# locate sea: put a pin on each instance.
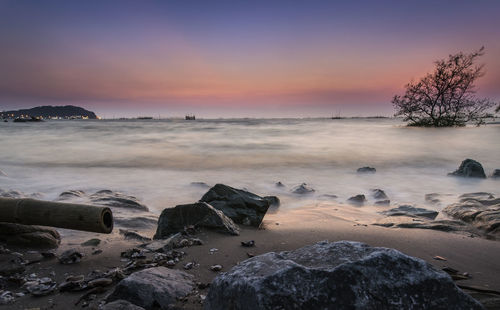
(160, 161)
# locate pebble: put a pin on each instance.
(189, 266)
(71, 256)
(96, 251)
(213, 250)
(439, 258)
(216, 268)
(248, 244)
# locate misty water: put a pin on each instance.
(157, 160)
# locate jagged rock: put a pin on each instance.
(273, 200)
(366, 170)
(411, 211)
(201, 214)
(91, 242)
(483, 214)
(241, 206)
(154, 288)
(339, 275)
(121, 305)
(117, 199)
(10, 264)
(379, 194)
(302, 189)
(496, 173)
(29, 235)
(133, 235)
(469, 168)
(357, 200)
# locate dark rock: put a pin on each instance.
(121, 305)
(477, 196)
(496, 173)
(339, 275)
(406, 210)
(366, 170)
(379, 194)
(483, 214)
(423, 223)
(357, 200)
(11, 194)
(40, 286)
(117, 200)
(302, 189)
(469, 168)
(154, 288)
(29, 235)
(273, 201)
(432, 198)
(279, 184)
(329, 196)
(71, 256)
(241, 206)
(133, 235)
(173, 220)
(383, 202)
(91, 242)
(248, 244)
(10, 264)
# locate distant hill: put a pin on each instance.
(48, 111)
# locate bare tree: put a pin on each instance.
(445, 97)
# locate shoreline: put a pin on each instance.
(283, 230)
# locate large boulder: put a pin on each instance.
(339, 275)
(482, 213)
(469, 168)
(241, 206)
(201, 214)
(153, 288)
(29, 235)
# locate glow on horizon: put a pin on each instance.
(161, 56)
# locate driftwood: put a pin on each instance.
(56, 214)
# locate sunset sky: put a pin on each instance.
(234, 58)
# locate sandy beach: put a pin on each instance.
(282, 230)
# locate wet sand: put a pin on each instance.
(281, 230)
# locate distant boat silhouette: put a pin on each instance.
(337, 116)
(145, 117)
(190, 117)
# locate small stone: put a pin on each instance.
(91, 242)
(357, 200)
(101, 282)
(366, 170)
(216, 268)
(303, 189)
(189, 266)
(279, 184)
(439, 258)
(183, 243)
(96, 252)
(250, 255)
(248, 244)
(70, 256)
(213, 250)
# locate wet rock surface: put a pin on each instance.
(496, 173)
(366, 170)
(29, 235)
(121, 305)
(481, 210)
(357, 200)
(423, 223)
(469, 168)
(154, 288)
(340, 275)
(302, 189)
(241, 206)
(411, 211)
(201, 214)
(117, 199)
(10, 264)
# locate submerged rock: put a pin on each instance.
(117, 199)
(379, 194)
(302, 189)
(366, 170)
(411, 211)
(357, 200)
(91, 242)
(10, 264)
(483, 214)
(338, 275)
(469, 168)
(423, 223)
(273, 201)
(496, 173)
(29, 235)
(154, 288)
(383, 202)
(201, 214)
(241, 206)
(11, 194)
(71, 194)
(200, 184)
(143, 222)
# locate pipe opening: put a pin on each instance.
(107, 219)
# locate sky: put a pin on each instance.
(235, 58)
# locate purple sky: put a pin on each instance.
(234, 58)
